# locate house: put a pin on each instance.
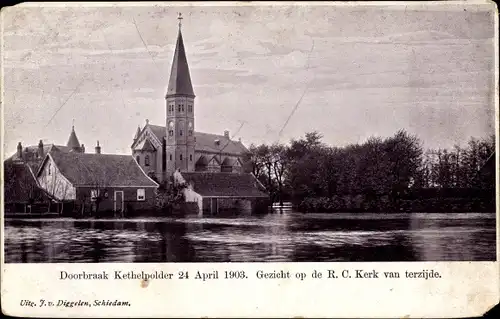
(102, 182)
(176, 145)
(215, 192)
(486, 175)
(21, 190)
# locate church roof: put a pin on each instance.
(73, 140)
(104, 169)
(144, 145)
(206, 142)
(180, 79)
(211, 184)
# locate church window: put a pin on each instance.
(180, 132)
(170, 156)
(179, 108)
(182, 107)
(181, 157)
(171, 129)
(138, 159)
(191, 157)
(146, 160)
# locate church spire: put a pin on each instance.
(73, 142)
(180, 79)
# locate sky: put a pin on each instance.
(349, 72)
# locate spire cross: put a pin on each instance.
(179, 17)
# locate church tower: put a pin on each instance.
(180, 141)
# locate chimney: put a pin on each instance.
(98, 148)
(147, 122)
(226, 134)
(83, 148)
(19, 151)
(40, 149)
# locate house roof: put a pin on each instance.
(103, 169)
(211, 184)
(180, 79)
(206, 142)
(31, 156)
(20, 183)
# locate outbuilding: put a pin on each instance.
(215, 192)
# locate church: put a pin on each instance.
(176, 146)
(209, 167)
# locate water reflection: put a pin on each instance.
(286, 236)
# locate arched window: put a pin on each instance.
(190, 129)
(171, 129)
(180, 132)
(182, 107)
(138, 159)
(191, 157)
(179, 108)
(181, 157)
(146, 160)
(170, 156)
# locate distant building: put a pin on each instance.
(161, 150)
(21, 186)
(67, 173)
(486, 174)
(21, 190)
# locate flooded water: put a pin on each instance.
(274, 237)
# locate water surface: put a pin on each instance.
(286, 236)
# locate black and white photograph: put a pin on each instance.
(249, 133)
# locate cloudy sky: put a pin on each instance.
(350, 72)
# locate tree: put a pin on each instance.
(404, 156)
(279, 160)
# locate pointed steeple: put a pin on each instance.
(180, 78)
(73, 142)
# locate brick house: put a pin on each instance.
(104, 182)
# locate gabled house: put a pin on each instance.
(21, 190)
(214, 192)
(107, 182)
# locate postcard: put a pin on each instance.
(249, 159)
